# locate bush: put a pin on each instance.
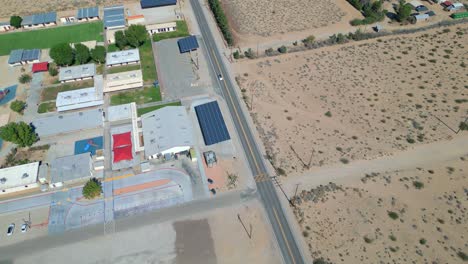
(18, 106)
(269, 52)
(92, 189)
(422, 241)
(282, 49)
(462, 255)
(53, 71)
(309, 41)
(236, 54)
(393, 215)
(25, 78)
(418, 185)
(328, 114)
(221, 20)
(463, 126)
(319, 261)
(249, 54)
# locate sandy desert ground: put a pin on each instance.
(360, 100)
(255, 21)
(22, 7)
(412, 216)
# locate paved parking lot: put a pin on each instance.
(38, 217)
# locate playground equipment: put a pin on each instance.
(4, 93)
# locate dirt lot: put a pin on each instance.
(262, 18)
(360, 100)
(413, 216)
(23, 7)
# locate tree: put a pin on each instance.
(92, 189)
(18, 106)
(236, 54)
(403, 11)
(283, 49)
(81, 53)
(15, 21)
(62, 54)
(98, 54)
(120, 39)
(20, 133)
(136, 35)
(24, 78)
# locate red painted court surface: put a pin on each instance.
(143, 186)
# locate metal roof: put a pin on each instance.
(76, 72)
(124, 56)
(70, 168)
(156, 3)
(114, 16)
(121, 112)
(5, 24)
(211, 122)
(67, 123)
(76, 99)
(188, 44)
(88, 12)
(21, 175)
(15, 56)
(41, 18)
(166, 128)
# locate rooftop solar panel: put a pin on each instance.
(212, 124)
(114, 16)
(156, 3)
(188, 44)
(29, 55)
(15, 56)
(88, 12)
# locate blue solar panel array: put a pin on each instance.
(188, 44)
(156, 3)
(212, 124)
(88, 12)
(114, 17)
(37, 19)
(20, 55)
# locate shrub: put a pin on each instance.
(25, 78)
(18, 106)
(15, 21)
(92, 189)
(463, 126)
(249, 54)
(269, 52)
(392, 237)
(236, 54)
(422, 241)
(319, 261)
(367, 240)
(53, 71)
(462, 255)
(393, 215)
(309, 41)
(282, 49)
(418, 185)
(328, 114)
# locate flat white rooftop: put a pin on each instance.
(20, 175)
(121, 112)
(77, 72)
(161, 25)
(122, 57)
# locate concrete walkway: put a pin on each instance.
(34, 97)
(419, 156)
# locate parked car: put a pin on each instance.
(421, 8)
(24, 228)
(431, 13)
(11, 229)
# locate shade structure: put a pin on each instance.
(187, 44)
(40, 67)
(212, 124)
(122, 140)
(123, 153)
(156, 3)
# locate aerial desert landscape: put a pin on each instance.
(359, 100)
(411, 216)
(257, 20)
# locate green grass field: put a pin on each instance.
(182, 31)
(123, 68)
(46, 107)
(46, 38)
(147, 62)
(50, 93)
(140, 96)
(142, 111)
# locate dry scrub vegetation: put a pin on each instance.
(23, 7)
(415, 216)
(267, 17)
(360, 100)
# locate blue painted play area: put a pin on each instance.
(10, 96)
(88, 145)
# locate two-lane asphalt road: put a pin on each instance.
(266, 189)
